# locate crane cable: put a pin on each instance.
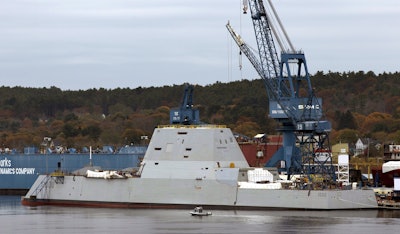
(229, 55)
(281, 29)
(240, 31)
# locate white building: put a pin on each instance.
(392, 152)
(361, 146)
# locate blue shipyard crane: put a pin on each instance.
(185, 114)
(291, 97)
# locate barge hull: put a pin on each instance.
(18, 172)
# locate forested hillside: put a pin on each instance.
(358, 104)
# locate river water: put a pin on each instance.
(15, 218)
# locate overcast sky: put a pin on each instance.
(83, 44)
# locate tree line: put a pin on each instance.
(358, 104)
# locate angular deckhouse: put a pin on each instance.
(187, 152)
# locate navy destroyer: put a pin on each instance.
(186, 166)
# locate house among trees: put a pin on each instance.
(361, 146)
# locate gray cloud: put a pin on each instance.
(117, 43)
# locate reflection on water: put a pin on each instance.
(19, 219)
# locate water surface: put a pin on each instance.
(15, 218)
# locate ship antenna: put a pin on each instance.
(90, 156)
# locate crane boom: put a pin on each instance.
(271, 85)
(267, 52)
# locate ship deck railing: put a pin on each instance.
(191, 126)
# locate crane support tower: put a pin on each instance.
(185, 114)
(292, 101)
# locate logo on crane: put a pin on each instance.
(308, 107)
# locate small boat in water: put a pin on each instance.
(198, 211)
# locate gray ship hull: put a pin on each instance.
(167, 193)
